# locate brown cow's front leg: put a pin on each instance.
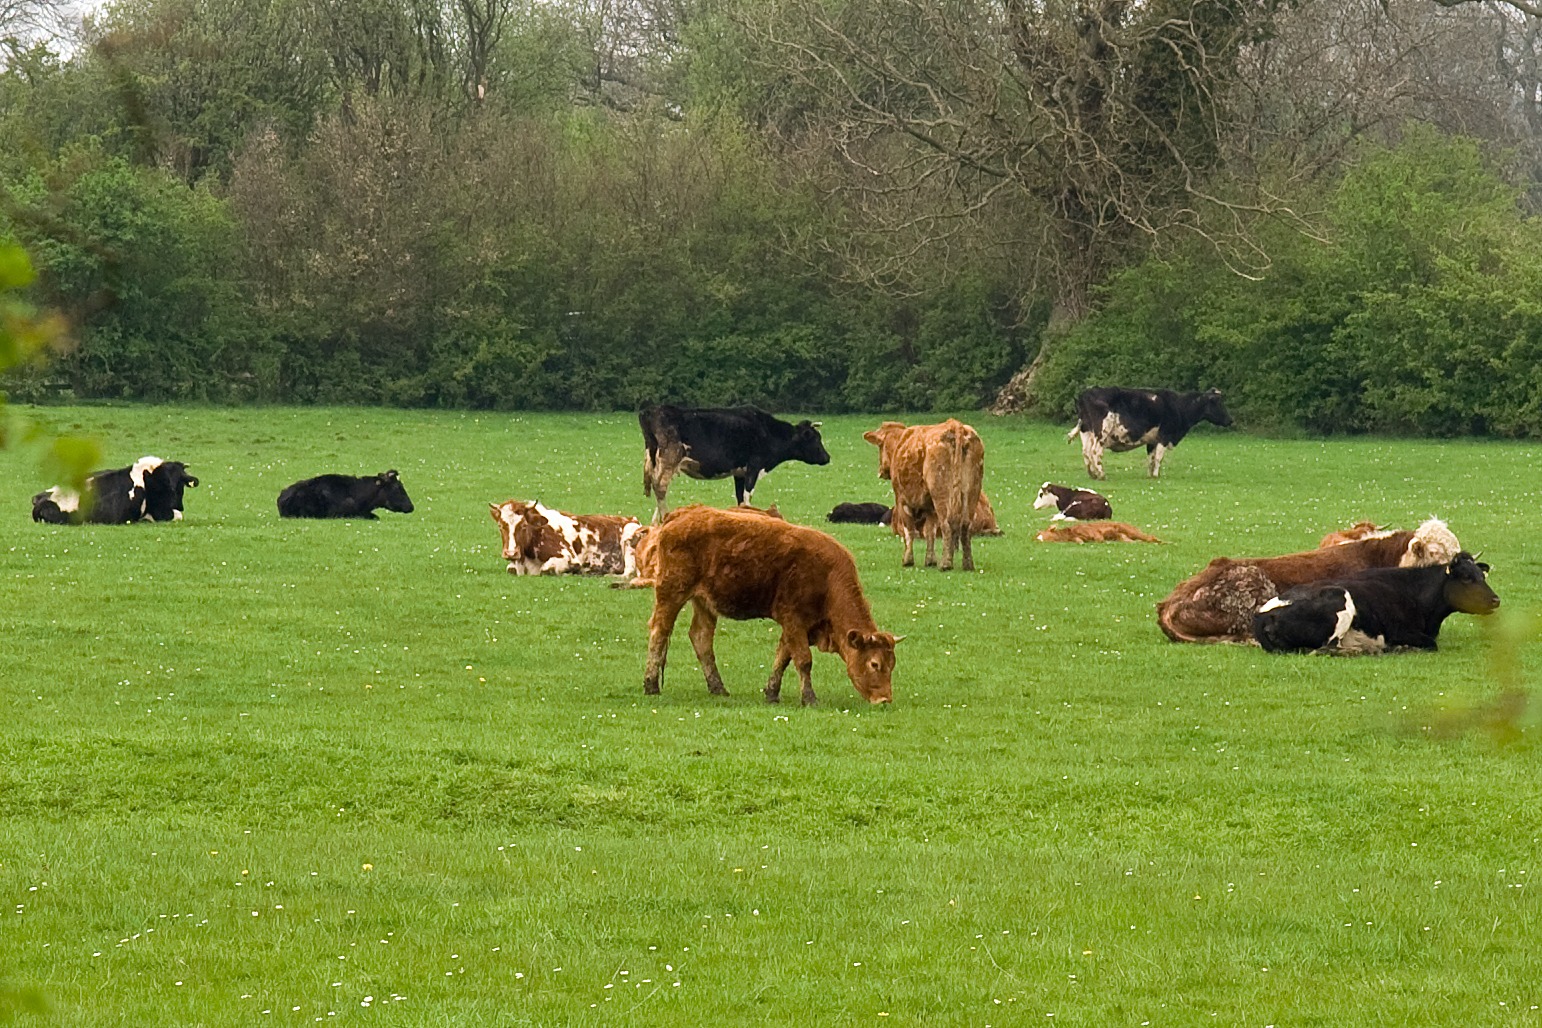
(660, 625)
(802, 659)
(703, 627)
(778, 668)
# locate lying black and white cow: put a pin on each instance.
(344, 496)
(1114, 418)
(1073, 504)
(719, 442)
(150, 489)
(1375, 610)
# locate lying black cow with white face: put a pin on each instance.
(718, 442)
(1375, 610)
(1114, 418)
(1073, 504)
(150, 489)
(344, 496)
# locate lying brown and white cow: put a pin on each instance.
(1217, 605)
(1094, 532)
(733, 564)
(538, 540)
(936, 472)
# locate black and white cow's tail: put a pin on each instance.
(645, 418)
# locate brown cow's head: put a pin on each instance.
(885, 437)
(512, 518)
(870, 663)
(1433, 543)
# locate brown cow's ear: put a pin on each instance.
(495, 509)
(1417, 548)
(854, 639)
(873, 437)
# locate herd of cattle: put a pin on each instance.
(1363, 590)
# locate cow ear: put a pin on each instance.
(1417, 548)
(873, 437)
(854, 638)
(1483, 567)
(389, 474)
(497, 515)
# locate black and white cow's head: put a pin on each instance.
(160, 483)
(807, 445)
(391, 494)
(1211, 409)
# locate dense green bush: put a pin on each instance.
(1418, 315)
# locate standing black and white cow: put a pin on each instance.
(344, 496)
(718, 442)
(150, 489)
(1114, 418)
(1376, 610)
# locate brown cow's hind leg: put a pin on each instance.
(703, 627)
(660, 625)
(778, 668)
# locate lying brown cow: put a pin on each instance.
(1217, 605)
(936, 471)
(1095, 532)
(538, 540)
(728, 563)
(1359, 530)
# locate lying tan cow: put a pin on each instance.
(728, 563)
(1095, 532)
(936, 471)
(1217, 605)
(645, 542)
(1359, 530)
(538, 540)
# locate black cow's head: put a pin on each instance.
(391, 494)
(163, 490)
(807, 446)
(1211, 408)
(1467, 587)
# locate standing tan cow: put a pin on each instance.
(741, 565)
(936, 472)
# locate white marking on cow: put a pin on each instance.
(1117, 435)
(1274, 604)
(628, 549)
(142, 467)
(1343, 621)
(66, 500)
(1045, 497)
(176, 515)
(1156, 459)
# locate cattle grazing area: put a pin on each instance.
(250, 763)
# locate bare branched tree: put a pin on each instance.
(34, 19)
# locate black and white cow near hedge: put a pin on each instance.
(344, 496)
(1119, 419)
(150, 489)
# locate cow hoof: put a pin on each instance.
(810, 700)
(773, 697)
(717, 689)
(650, 688)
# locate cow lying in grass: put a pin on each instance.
(1217, 604)
(1073, 504)
(539, 540)
(1376, 610)
(739, 565)
(150, 489)
(1095, 532)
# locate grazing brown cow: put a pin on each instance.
(936, 471)
(1095, 532)
(1359, 530)
(644, 544)
(728, 563)
(1217, 605)
(538, 540)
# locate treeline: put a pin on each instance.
(859, 206)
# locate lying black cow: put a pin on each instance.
(716, 442)
(150, 489)
(1375, 610)
(861, 514)
(1114, 418)
(344, 496)
(1073, 504)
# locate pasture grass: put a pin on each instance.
(267, 772)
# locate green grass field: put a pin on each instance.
(265, 772)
